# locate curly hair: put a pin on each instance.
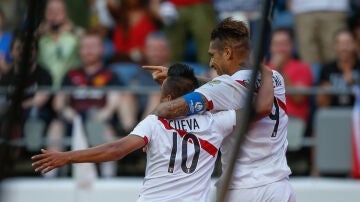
(230, 32)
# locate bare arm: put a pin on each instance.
(175, 108)
(39, 100)
(111, 151)
(265, 99)
(112, 102)
(61, 106)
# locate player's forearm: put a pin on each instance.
(180, 107)
(172, 109)
(41, 99)
(265, 98)
(102, 153)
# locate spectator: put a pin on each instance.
(191, 18)
(134, 22)
(296, 73)
(101, 21)
(355, 27)
(315, 24)
(282, 15)
(100, 14)
(58, 43)
(242, 10)
(95, 107)
(341, 73)
(157, 52)
(35, 104)
(5, 40)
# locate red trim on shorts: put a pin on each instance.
(282, 105)
(204, 144)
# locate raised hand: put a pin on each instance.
(159, 73)
(49, 160)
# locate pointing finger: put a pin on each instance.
(154, 68)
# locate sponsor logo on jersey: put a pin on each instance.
(213, 82)
(199, 106)
(276, 81)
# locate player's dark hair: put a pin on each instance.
(181, 80)
(183, 70)
(229, 32)
(285, 30)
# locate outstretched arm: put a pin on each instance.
(111, 151)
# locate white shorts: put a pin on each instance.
(280, 191)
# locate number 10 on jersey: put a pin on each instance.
(184, 153)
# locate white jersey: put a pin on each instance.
(263, 157)
(181, 155)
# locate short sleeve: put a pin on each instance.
(226, 120)
(144, 129)
(223, 93)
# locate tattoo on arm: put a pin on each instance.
(172, 109)
(175, 108)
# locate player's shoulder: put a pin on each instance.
(221, 78)
(219, 81)
(242, 74)
(151, 117)
(222, 115)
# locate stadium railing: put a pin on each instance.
(296, 137)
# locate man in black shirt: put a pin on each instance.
(343, 73)
(95, 107)
(35, 104)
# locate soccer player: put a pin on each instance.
(181, 153)
(261, 170)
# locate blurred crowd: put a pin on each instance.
(104, 43)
